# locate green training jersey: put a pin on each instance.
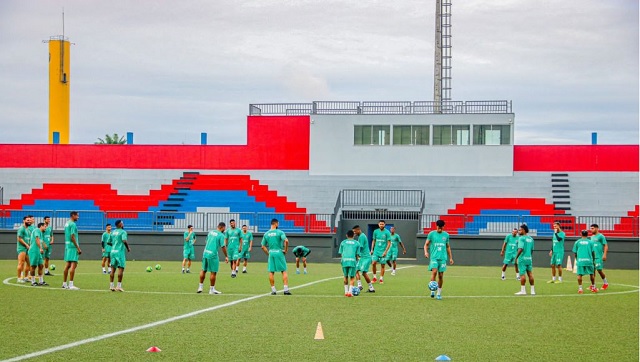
(599, 241)
(365, 251)
(48, 232)
(395, 240)
(525, 242)
(188, 240)
(583, 248)
(215, 240)
(348, 251)
(233, 237)
(118, 237)
(106, 240)
(247, 238)
(300, 250)
(438, 242)
(274, 239)
(70, 228)
(380, 239)
(511, 243)
(25, 235)
(558, 242)
(37, 234)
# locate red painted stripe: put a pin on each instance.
(273, 143)
(590, 158)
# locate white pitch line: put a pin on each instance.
(154, 324)
(474, 296)
(151, 325)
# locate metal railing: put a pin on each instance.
(1, 195)
(382, 107)
(480, 224)
(540, 225)
(382, 198)
(159, 221)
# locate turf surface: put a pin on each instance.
(479, 317)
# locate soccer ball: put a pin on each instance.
(158, 267)
(355, 291)
(433, 285)
(52, 267)
(149, 269)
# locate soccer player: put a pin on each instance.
(35, 254)
(557, 252)
(509, 251)
(188, 251)
(23, 244)
(106, 249)
(48, 241)
(301, 252)
(438, 250)
(275, 245)
(525, 259)
(349, 252)
(72, 251)
(601, 248)
(393, 251)
(247, 244)
(381, 245)
(232, 241)
(585, 256)
(118, 257)
(365, 259)
(210, 262)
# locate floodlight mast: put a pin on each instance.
(442, 57)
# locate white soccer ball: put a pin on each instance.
(433, 285)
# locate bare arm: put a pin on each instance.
(75, 242)
(387, 248)
(21, 241)
(286, 245)
(504, 245)
(426, 249)
(127, 245)
(449, 252)
(606, 249)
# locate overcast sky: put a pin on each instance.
(168, 70)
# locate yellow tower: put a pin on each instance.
(59, 80)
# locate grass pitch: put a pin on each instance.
(479, 317)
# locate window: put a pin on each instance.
(371, 135)
(491, 135)
(410, 135)
(451, 135)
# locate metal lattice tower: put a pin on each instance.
(442, 61)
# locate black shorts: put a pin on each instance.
(301, 254)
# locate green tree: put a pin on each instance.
(111, 140)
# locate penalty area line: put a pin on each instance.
(153, 324)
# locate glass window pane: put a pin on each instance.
(505, 136)
(441, 135)
(401, 135)
(357, 135)
(381, 135)
(420, 135)
(492, 136)
(460, 135)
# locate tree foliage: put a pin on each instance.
(114, 139)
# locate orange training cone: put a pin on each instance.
(154, 349)
(319, 333)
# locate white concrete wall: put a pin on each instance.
(332, 151)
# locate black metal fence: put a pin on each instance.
(381, 107)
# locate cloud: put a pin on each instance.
(170, 70)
